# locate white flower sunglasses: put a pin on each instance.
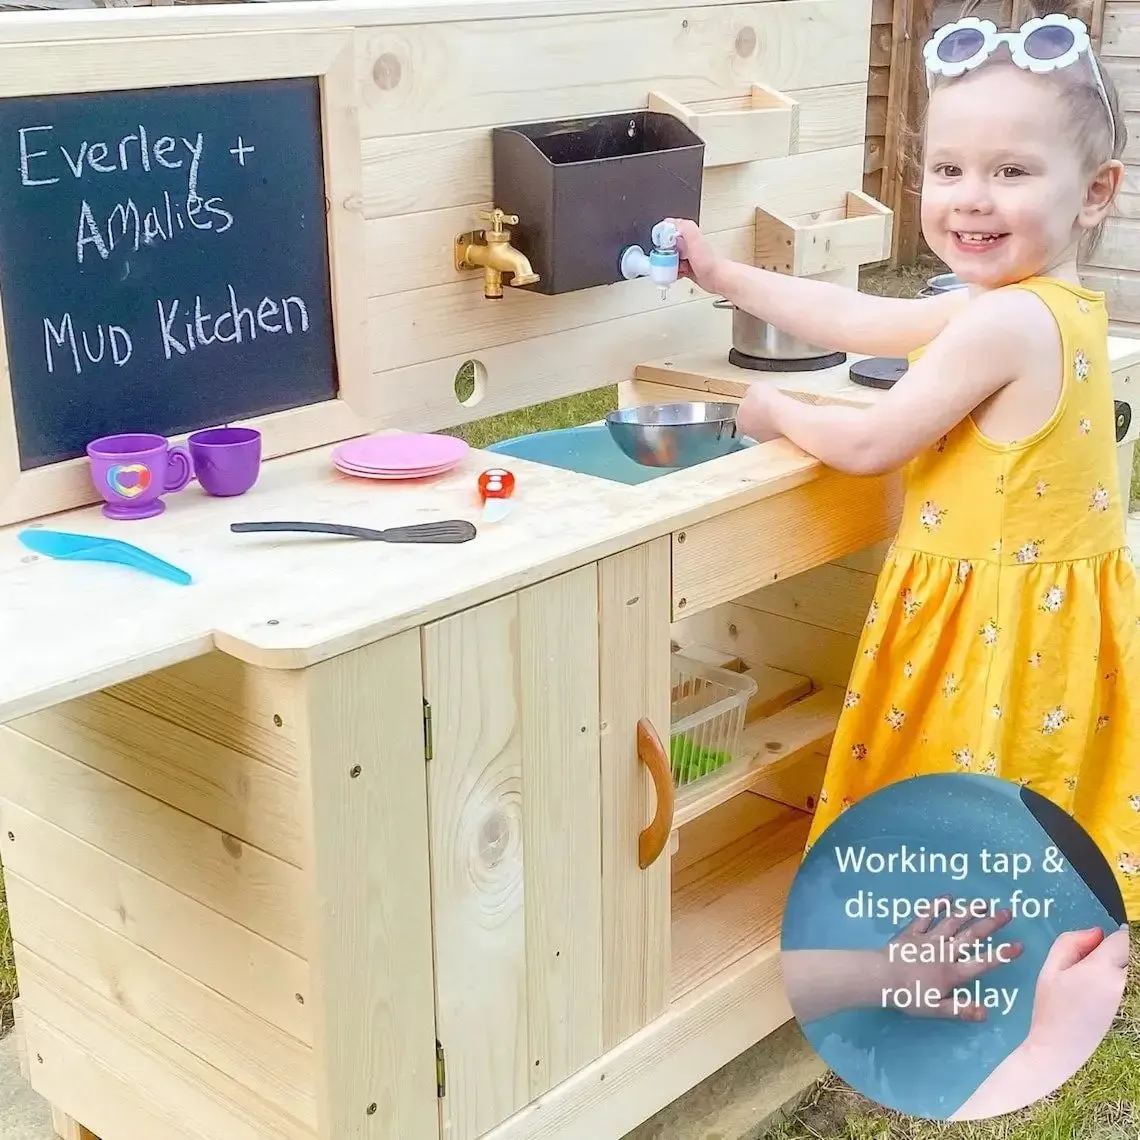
(1041, 45)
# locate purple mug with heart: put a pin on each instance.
(133, 471)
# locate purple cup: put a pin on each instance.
(226, 459)
(132, 472)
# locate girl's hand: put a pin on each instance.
(698, 261)
(754, 415)
(1079, 991)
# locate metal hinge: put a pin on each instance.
(427, 730)
(440, 1072)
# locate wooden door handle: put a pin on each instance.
(651, 752)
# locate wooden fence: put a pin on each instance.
(1115, 266)
(896, 100)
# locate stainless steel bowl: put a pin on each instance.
(675, 435)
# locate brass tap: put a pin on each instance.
(491, 251)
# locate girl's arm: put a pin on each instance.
(822, 982)
(835, 316)
(975, 356)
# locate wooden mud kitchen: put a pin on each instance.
(395, 841)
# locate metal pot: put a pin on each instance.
(753, 337)
(943, 283)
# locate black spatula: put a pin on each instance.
(447, 530)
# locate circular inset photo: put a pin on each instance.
(954, 946)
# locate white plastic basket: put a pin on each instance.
(708, 707)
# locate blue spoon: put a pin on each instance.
(88, 548)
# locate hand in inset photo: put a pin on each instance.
(934, 957)
(1079, 990)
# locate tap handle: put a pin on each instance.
(497, 219)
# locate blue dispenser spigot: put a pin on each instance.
(661, 265)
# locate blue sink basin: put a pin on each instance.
(589, 450)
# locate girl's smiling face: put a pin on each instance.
(1006, 193)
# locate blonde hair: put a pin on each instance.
(1091, 125)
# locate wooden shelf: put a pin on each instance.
(857, 234)
(768, 747)
(762, 125)
(729, 902)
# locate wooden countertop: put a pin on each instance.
(69, 628)
(289, 601)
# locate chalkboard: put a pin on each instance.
(163, 260)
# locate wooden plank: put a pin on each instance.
(420, 78)
(414, 251)
(67, 1128)
(520, 373)
(1121, 288)
(869, 559)
(730, 903)
(735, 553)
(717, 829)
(906, 103)
(242, 883)
(205, 945)
(557, 676)
(71, 1075)
(830, 596)
(824, 655)
(633, 620)
(251, 801)
(269, 1063)
(881, 53)
(1120, 36)
(478, 883)
(697, 1035)
(364, 806)
(516, 847)
(775, 689)
(795, 782)
(444, 169)
(224, 701)
(120, 1071)
(1119, 248)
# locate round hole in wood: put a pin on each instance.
(386, 71)
(11, 837)
(471, 383)
(354, 771)
(300, 998)
(278, 722)
(371, 1109)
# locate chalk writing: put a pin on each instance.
(163, 259)
(206, 329)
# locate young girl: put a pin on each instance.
(1003, 636)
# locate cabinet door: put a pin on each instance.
(633, 659)
(516, 846)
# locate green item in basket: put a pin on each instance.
(690, 761)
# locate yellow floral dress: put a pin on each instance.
(1004, 636)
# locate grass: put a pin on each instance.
(1102, 1102)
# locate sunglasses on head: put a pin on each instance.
(1041, 45)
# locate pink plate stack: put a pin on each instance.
(406, 456)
